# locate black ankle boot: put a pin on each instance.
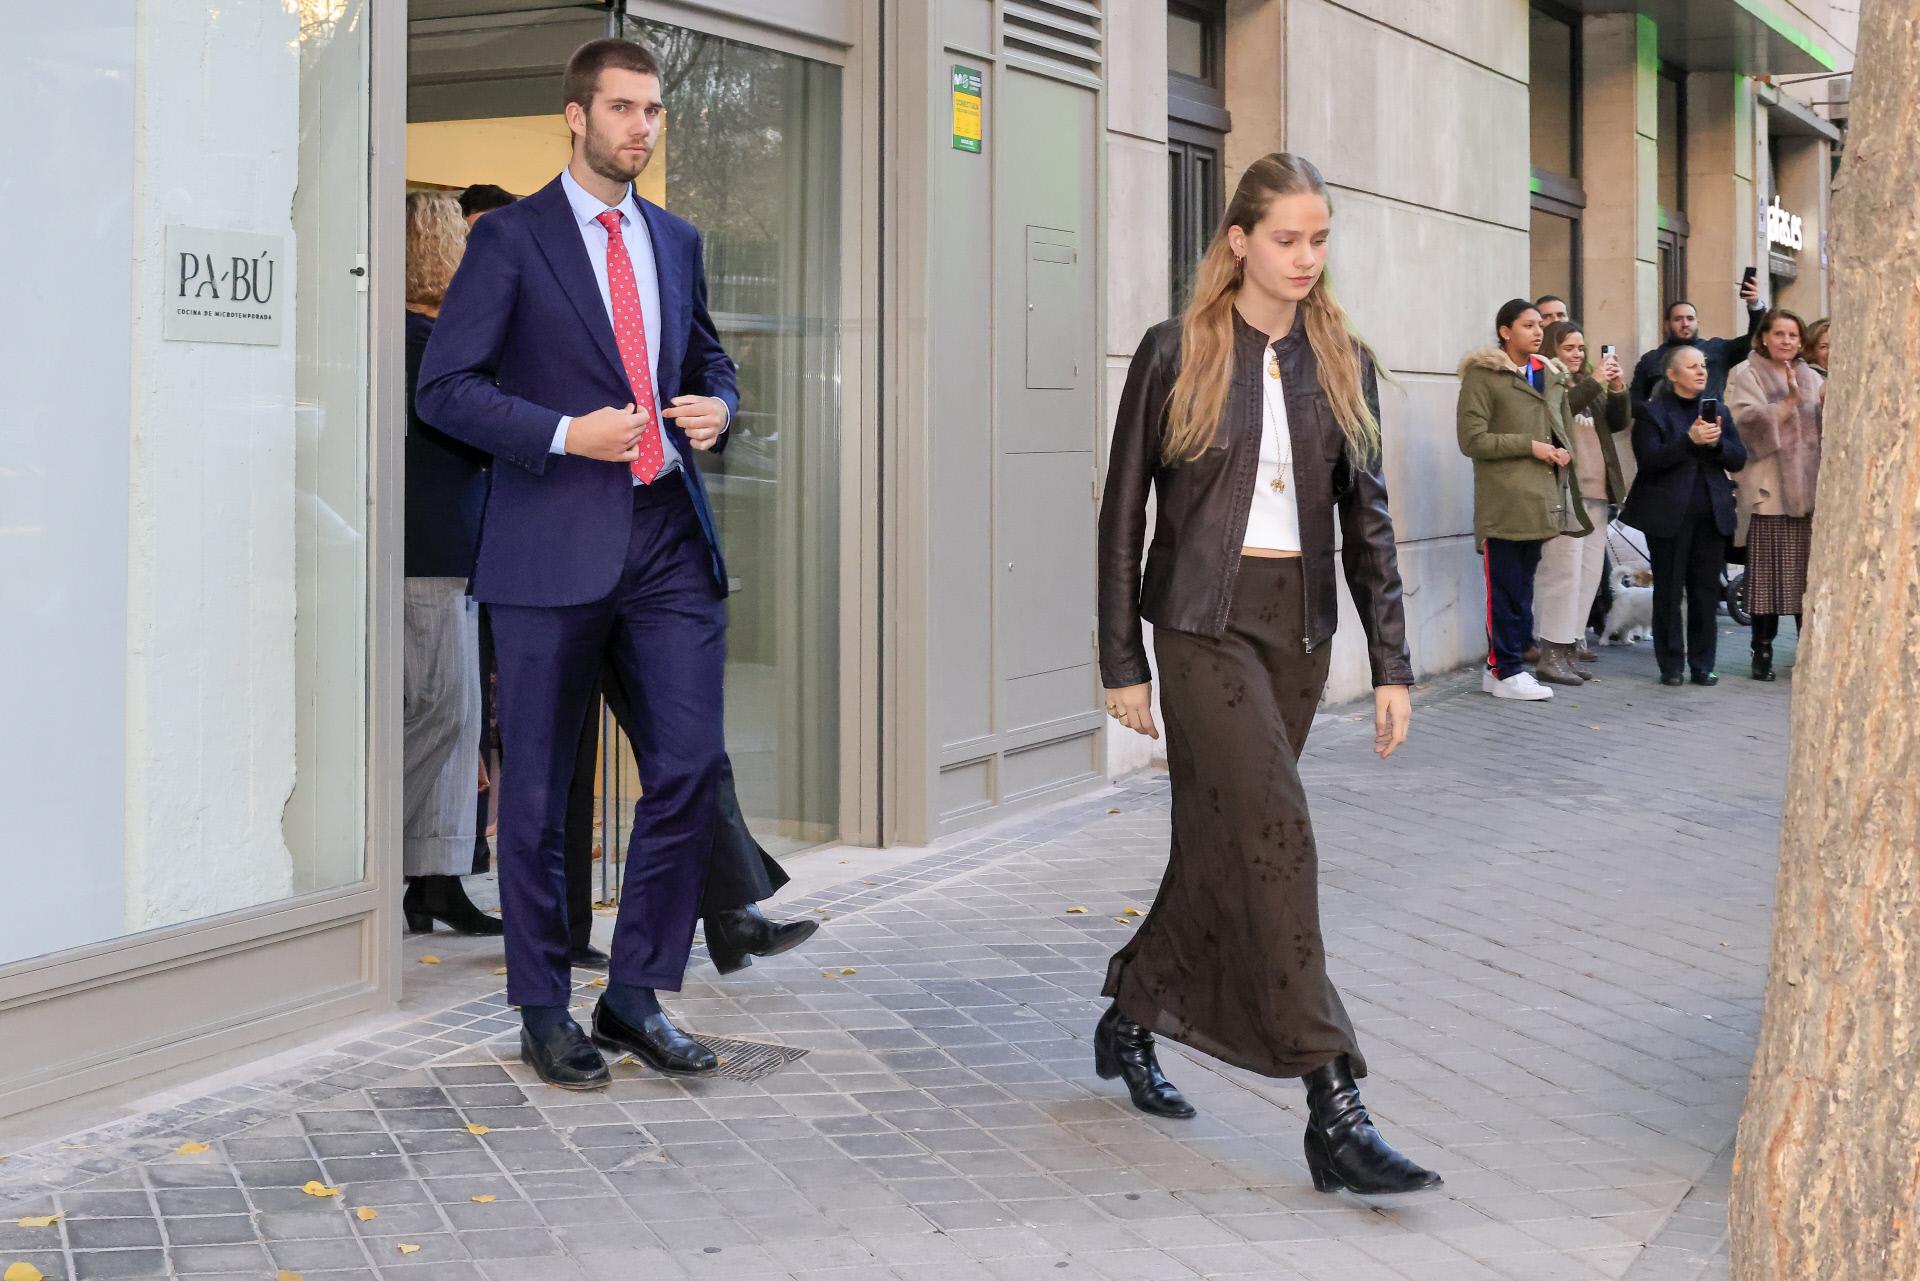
(1343, 1148)
(1763, 660)
(1124, 1049)
(444, 898)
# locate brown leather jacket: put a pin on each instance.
(1202, 506)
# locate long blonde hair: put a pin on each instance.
(1206, 329)
(436, 237)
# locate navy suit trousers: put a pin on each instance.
(663, 630)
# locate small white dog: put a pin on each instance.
(1630, 618)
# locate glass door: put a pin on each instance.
(751, 156)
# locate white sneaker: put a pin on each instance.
(1520, 686)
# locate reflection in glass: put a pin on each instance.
(182, 520)
(325, 817)
(1552, 82)
(1554, 245)
(751, 157)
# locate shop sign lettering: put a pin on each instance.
(1784, 229)
(224, 286)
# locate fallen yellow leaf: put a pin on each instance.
(366, 1214)
(485, 1198)
(1129, 911)
(1113, 811)
(429, 960)
(404, 1248)
(289, 1276)
(1122, 920)
(41, 1220)
(1076, 911)
(316, 1188)
(848, 970)
(479, 1129)
(501, 972)
(599, 982)
(192, 1149)
(869, 882)
(24, 1272)
(828, 974)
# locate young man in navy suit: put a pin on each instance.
(574, 345)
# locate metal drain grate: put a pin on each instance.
(750, 1060)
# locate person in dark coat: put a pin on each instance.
(446, 489)
(1683, 501)
(1683, 330)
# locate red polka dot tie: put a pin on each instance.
(630, 333)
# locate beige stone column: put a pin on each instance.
(1619, 256)
(1256, 54)
(1722, 207)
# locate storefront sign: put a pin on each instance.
(225, 286)
(966, 109)
(1784, 230)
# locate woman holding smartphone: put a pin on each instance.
(1254, 419)
(1685, 444)
(1570, 565)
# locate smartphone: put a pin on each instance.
(1606, 351)
(1710, 410)
(1753, 274)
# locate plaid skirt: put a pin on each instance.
(1777, 549)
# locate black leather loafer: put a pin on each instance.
(588, 957)
(656, 1042)
(1673, 680)
(1706, 678)
(736, 936)
(565, 1058)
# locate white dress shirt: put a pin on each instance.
(587, 209)
(1273, 522)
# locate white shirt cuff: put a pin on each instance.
(559, 445)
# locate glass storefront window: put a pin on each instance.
(183, 497)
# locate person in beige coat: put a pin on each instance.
(1778, 400)
(1570, 566)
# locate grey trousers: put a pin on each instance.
(441, 727)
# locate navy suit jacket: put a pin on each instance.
(523, 339)
(1672, 467)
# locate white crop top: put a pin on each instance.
(1273, 522)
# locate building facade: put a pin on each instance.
(935, 229)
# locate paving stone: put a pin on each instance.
(1532, 980)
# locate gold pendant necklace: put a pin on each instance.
(1279, 483)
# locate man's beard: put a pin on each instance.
(606, 161)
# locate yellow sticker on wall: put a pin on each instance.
(967, 85)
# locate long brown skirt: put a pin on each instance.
(1777, 552)
(1230, 961)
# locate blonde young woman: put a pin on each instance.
(1254, 419)
(446, 489)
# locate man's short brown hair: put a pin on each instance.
(595, 56)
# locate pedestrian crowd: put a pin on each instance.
(1724, 439)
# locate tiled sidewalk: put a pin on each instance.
(1549, 922)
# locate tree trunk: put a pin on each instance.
(1826, 1183)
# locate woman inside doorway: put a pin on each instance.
(1254, 418)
